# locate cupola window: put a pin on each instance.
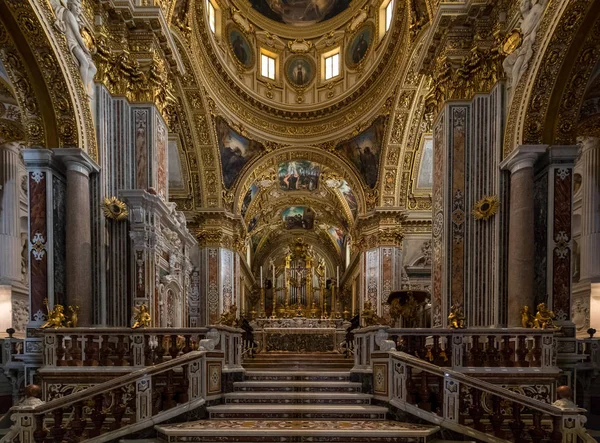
(267, 66)
(389, 10)
(212, 16)
(332, 65)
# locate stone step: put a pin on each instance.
(310, 412)
(296, 386)
(314, 398)
(291, 431)
(276, 375)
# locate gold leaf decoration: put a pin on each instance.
(115, 209)
(486, 207)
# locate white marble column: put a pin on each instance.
(590, 216)
(10, 239)
(79, 166)
(521, 246)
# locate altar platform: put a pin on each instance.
(299, 334)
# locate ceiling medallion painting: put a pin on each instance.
(240, 47)
(298, 217)
(235, 149)
(359, 45)
(365, 149)
(300, 71)
(300, 12)
(297, 175)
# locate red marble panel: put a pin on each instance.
(458, 204)
(38, 257)
(561, 260)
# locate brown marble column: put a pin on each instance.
(78, 166)
(10, 229)
(521, 246)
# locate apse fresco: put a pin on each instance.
(248, 198)
(349, 196)
(364, 151)
(337, 235)
(297, 175)
(235, 150)
(298, 217)
(300, 12)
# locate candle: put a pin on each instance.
(261, 280)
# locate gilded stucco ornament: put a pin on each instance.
(114, 209)
(511, 42)
(486, 207)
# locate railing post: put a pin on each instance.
(143, 402)
(458, 350)
(400, 380)
(50, 350)
(547, 351)
(451, 400)
(138, 357)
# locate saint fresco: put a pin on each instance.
(364, 151)
(299, 71)
(349, 196)
(248, 198)
(235, 151)
(358, 47)
(337, 235)
(298, 217)
(297, 175)
(241, 47)
(300, 12)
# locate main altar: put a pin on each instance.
(299, 309)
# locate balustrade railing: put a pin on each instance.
(125, 347)
(466, 350)
(477, 408)
(11, 347)
(117, 407)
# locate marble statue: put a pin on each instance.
(68, 20)
(516, 63)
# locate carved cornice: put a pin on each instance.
(382, 228)
(219, 229)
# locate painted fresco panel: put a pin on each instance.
(300, 12)
(248, 198)
(299, 175)
(298, 217)
(349, 196)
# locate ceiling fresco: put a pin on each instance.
(299, 175)
(300, 12)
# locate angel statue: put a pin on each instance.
(543, 317)
(68, 20)
(56, 316)
(72, 319)
(456, 318)
(526, 317)
(141, 317)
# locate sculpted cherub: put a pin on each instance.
(141, 317)
(456, 318)
(526, 317)
(543, 318)
(56, 316)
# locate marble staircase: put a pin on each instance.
(297, 398)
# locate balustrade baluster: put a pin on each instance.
(424, 393)
(188, 347)
(121, 351)
(60, 351)
(118, 409)
(160, 349)
(556, 435)
(506, 352)
(78, 423)
(497, 418)
(411, 388)
(90, 352)
(75, 352)
(149, 360)
(169, 392)
(516, 425)
(58, 431)
(173, 350)
(422, 347)
(98, 415)
(185, 384)
(476, 411)
(436, 350)
(105, 352)
(440, 397)
(521, 352)
(39, 435)
(536, 432)
(448, 350)
(491, 353)
(537, 352)
(410, 344)
(475, 352)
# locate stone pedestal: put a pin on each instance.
(521, 246)
(78, 167)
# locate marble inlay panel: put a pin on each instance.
(38, 234)
(380, 379)
(213, 286)
(561, 266)
(437, 223)
(540, 208)
(213, 378)
(458, 149)
(59, 251)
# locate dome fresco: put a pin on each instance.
(300, 12)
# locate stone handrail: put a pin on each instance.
(477, 408)
(121, 406)
(126, 347)
(467, 350)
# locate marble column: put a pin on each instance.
(10, 240)
(590, 217)
(521, 246)
(78, 166)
